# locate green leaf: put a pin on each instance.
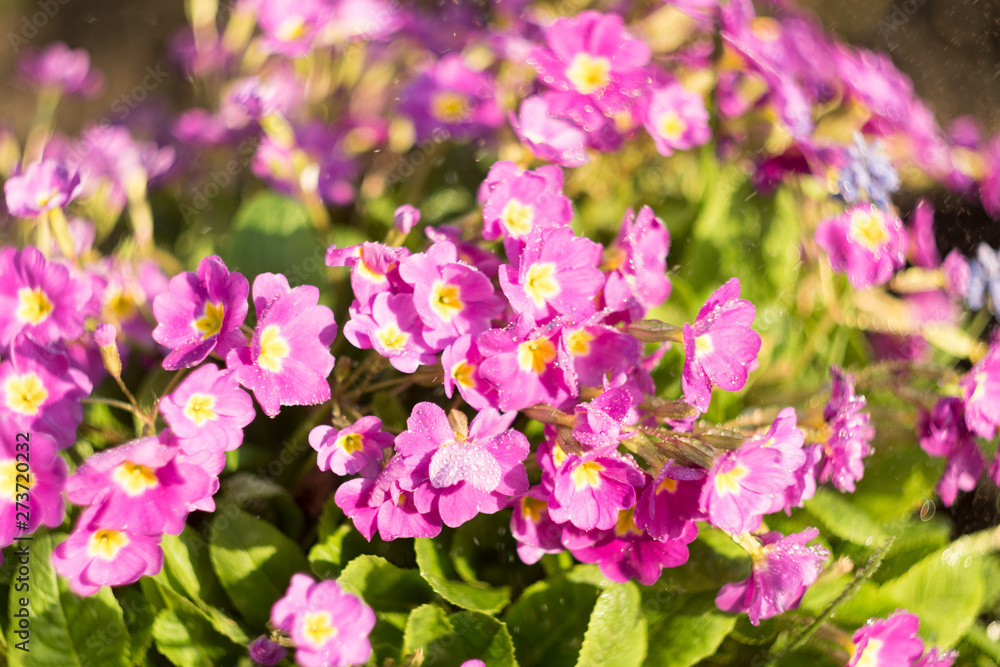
(473, 636)
(138, 614)
(171, 599)
(689, 634)
(425, 624)
(474, 597)
(383, 586)
(326, 557)
(845, 519)
(188, 640)
(188, 568)
(616, 633)
(548, 621)
(254, 562)
(65, 630)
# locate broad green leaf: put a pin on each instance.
(188, 568)
(254, 562)
(845, 519)
(171, 599)
(425, 624)
(325, 558)
(473, 636)
(138, 614)
(469, 596)
(65, 630)
(383, 586)
(616, 633)
(692, 632)
(188, 640)
(548, 621)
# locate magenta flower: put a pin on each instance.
(265, 652)
(379, 504)
(677, 119)
(596, 351)
(328, 626)
(637, 265)
(598, 423)
(450, 97)
(57, 67)
(405, 218)
(44, 186)
(670, 503)
(864, 242)
(39, 298)
(42, 392)
(850, 436)
(935, 658)
(741, 487)
(556, 274)
(288, 359)
(547, 136)
(451, 297)
(356, 448)
(208, 410)
(139, 487)
(374, 268)
(517, 203)
(520, 361)
(394, 330)
(592, 54)
(626, 552)
(201, 313)
(461, 363)
(943, 433)
(589, 491)
(290, 27)
(466, 473)
(94, 556)
(535, 531)
(887, 641)
(720, 345)
(981, 393)
(46, 477)
(783, 568)
(786, 437)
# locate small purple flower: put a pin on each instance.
(450, 97)
(981, 393)
(44, 186)
(888, 641)
(94, 556)
(374, 269)
(741, 487)
(379, 504)
(535, 531)
(850, 434)
(983, 278)
(394, 330)
(670, 503)
(597, 351)
(265, 652)
(461, 364)
(60, 68)
(783, 568)
(598, 423)
(589, 492)
(864, 242)
(356, 448)
(868, 174)
(328, 626)
(720, 346)
(677, 119)
(637, 265)
(548, 137)
(405, 218)
(291, 26)
(208, 410)
(288, 359)
(39, 298)
(516, 203)
(46, 472)
(201, 313)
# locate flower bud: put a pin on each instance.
(104, 336)
(263, 651)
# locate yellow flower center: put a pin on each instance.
(464, 374)
(578, 343)
(291, 29)
(273, 349)
(199, 408)
(392, 338)
(671, 126)
(589, 74)
(210, 323)
(120, 306)
(351, 442)
(765, 29)
(34, 307)
(729, 482)
(8, 480)
(317, 628)
(135, 479)
(870, 656)
(558, 456)
(450, 107)
(445, 300)
(535, 355)
(106, 543)
(868, 229)
(702, 345)
(668, 485)
(626, 524)
(541, 284)
(25, 393)
(517, 217)
(587, 474)
(531, 508)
